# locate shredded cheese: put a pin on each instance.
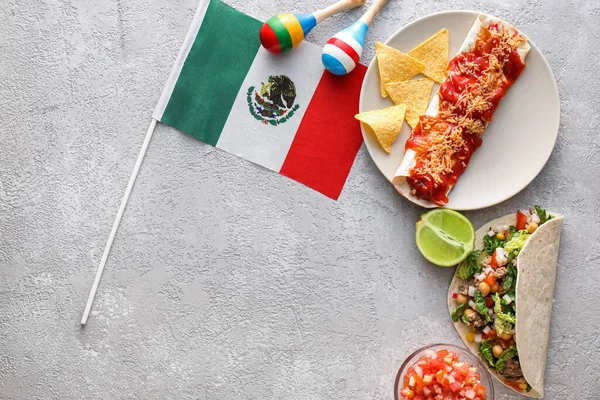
(455, 122)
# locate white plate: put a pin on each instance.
(516, 145)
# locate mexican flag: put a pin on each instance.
(284, 111)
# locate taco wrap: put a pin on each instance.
(500, 299)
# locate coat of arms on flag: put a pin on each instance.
(274, 103)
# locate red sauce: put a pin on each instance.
(464, 73)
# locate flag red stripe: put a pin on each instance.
(345, 47)
(329, 137)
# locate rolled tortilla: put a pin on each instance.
(409, 158)
(536, 265)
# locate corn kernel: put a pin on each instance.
(470, 337)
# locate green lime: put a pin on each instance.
(445, 237)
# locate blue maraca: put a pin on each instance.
(343, 51)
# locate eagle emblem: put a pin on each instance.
(273, 104)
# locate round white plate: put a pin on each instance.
(516, 145)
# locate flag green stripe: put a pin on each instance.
(213, 72)
(282, 33)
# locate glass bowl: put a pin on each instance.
(464, 355)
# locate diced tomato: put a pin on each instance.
(521, 220)
(479, 390)
(491, 335)
(437, 364)
(456, 386)
(461, 371)
(490, 279)
(493, 261)
(418, 383)
(513, 385)
(442, 353)
(489, 301)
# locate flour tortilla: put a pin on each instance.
(409, 159)
(536, 264)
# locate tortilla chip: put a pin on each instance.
(386, 124)
(415, 94)
(395, 66)
(434, 54)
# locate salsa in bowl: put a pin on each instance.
(443, 372)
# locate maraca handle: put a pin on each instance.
(342, 5)
(372, 11)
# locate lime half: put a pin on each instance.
(445, 237)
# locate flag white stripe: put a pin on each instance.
(183, 53)
(252, 139)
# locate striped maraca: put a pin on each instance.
(284, 32)
(343, 51)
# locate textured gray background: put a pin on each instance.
(227, 281)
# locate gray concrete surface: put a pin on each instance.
(227, 281)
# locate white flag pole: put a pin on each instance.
(115, 226)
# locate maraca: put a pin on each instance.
(284, 32)
(344, 49)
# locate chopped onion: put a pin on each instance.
(472, 304)
(491, 233)
(451, 379)
(470, 394)
(478, 338)
(486, 330)
(430, 354)
(490, 311)
(472, 291)
(454, 295)
(419, 371)
(507, 299)
(535, 218)
(498, 228)
(528, 214)
(487, 270)
(480, 277)
(426, 391)
(411, 382)
(501, 256)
